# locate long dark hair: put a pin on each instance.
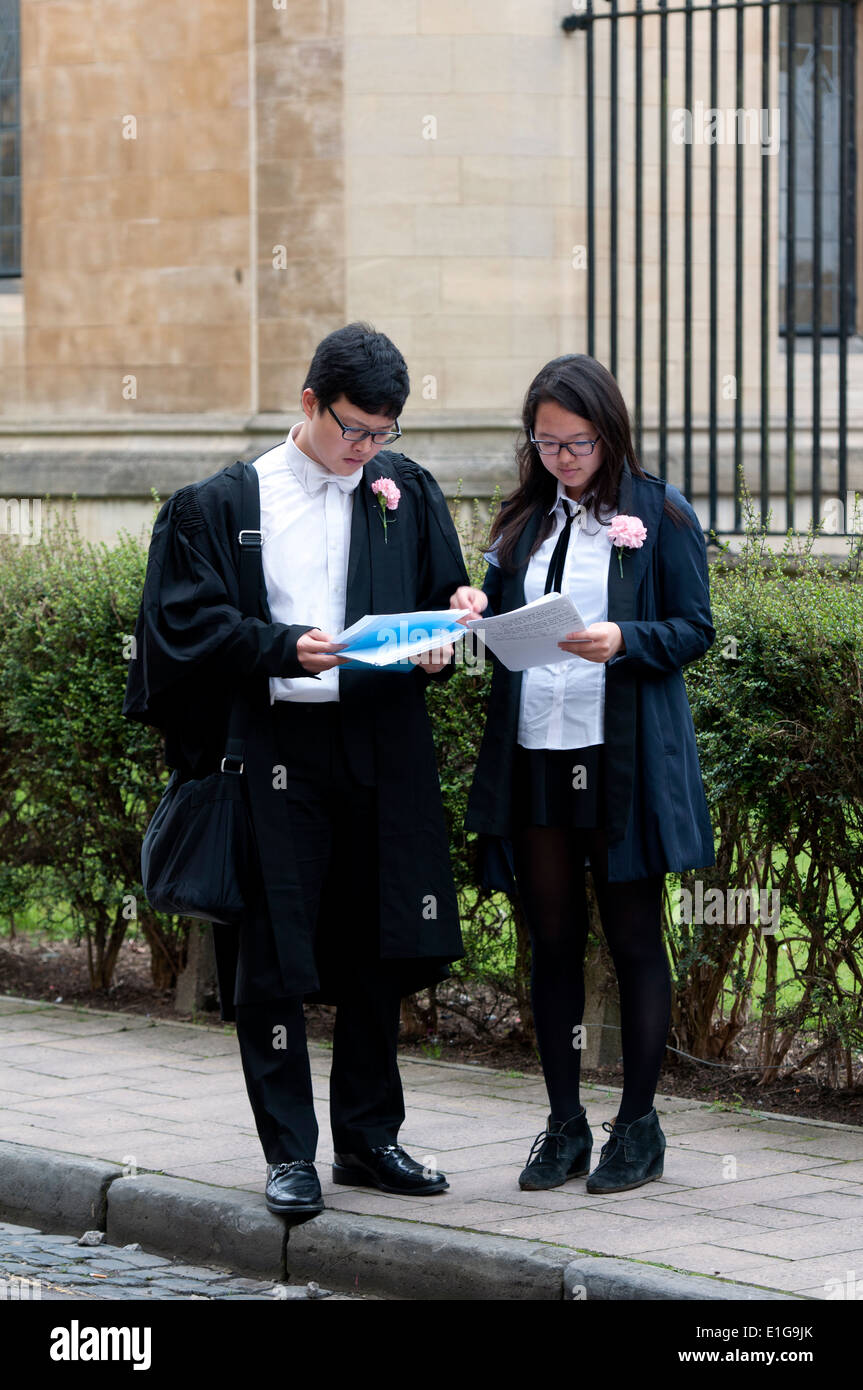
(583, 386)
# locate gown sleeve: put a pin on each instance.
(441, 565)
(491, 586)
(189, 627)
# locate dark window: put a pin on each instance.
(798, 142)
(10, 140)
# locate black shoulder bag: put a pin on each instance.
(198, 857)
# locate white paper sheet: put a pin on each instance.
(529, 636)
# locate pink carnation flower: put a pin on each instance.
(628, 531)
(385, 487)
(388, 496)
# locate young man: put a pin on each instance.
(356, 903)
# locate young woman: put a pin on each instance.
(593, 758)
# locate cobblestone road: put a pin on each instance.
(36, 1265)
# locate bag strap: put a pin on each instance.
(250, 540)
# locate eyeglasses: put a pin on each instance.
(582, 448)
(356, 434)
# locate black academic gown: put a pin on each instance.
(193, 649)
(655, 809)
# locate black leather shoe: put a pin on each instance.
(293, 1189)
(388, 1168)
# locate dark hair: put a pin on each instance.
(363, 365)
(583, 386)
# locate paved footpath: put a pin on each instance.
(759, 1200)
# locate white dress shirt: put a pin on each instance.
(306, 524)
(563, 705)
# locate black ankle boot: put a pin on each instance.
(634, 1154)
(564, 1153)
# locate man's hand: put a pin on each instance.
(474, 599)
(600, 642)
(433, 661)
(315, 653)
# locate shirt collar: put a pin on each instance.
(314, 476)
(575, 507)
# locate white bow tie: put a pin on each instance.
(314, 477)
(344, 484)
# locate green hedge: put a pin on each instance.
(778, 711)
(78, 782)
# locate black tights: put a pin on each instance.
(550, 877)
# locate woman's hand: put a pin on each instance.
(474, 599)
(599, 642)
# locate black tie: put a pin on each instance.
(554, 578)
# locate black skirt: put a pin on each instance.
(558, 786)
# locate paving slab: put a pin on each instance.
(848, 1172)
(828, 1203)
(769, 1218)
(741, 1139)
(689, 1122)
(801, 1242)
(777, 1190)
(816, 1278)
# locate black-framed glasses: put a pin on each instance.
(582, 448)
(355, 434)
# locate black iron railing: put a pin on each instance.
(815, 297)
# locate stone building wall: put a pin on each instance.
(209, 188)
(135, 207)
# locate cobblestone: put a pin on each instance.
(35, 1265)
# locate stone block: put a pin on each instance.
(376, 16)
(490, 17)
(373, 1254)
(198, 1223)
(298, 21)
(396, 63)
(60, 1192)
(418, 178)
(611, 1280)
(301, 129)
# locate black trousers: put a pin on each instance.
(334, 825)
